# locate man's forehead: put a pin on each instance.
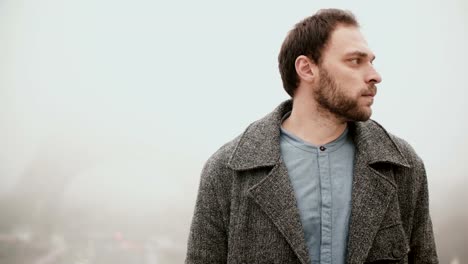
(348, 40)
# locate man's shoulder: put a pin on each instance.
(222, 155)
(255, 146)
(403, 146)
(218, 162)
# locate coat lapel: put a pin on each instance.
(275, 195)
(372, 190)
(259, 148)
(370, 198)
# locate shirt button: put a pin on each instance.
(322, 148)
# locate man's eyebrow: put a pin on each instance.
(360, 54)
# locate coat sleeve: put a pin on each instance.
(423, 248)
(207, 241)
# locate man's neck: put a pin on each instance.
(313, 124)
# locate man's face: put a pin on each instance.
(347, 78)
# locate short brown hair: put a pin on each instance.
(309, 38)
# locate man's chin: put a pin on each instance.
(362, 115)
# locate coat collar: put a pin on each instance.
(259, 145)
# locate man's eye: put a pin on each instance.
(356, 61)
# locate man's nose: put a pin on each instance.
(373, 76)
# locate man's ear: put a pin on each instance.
(305, 68)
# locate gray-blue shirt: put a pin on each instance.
(322, 180)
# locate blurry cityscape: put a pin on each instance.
(47, 217)
(50, 214)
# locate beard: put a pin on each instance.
(332, 98)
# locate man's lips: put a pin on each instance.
(371, 91)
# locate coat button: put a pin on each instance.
(396, 253)
(322, 148)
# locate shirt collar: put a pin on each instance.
(300, 143)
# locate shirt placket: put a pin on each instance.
(326, 208)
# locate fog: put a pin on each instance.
(109, 109)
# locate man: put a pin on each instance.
(316, 181)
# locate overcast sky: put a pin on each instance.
(131, 97)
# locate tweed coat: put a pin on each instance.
(246, 210)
